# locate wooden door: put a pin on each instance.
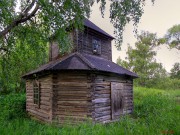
(116, 99)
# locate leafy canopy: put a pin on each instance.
(175, 71)
(26, 25)
(33, 20)
(141, 59)
(173, 37)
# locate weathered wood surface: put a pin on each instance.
(83, 43)
(72, 97)
(102, 99)
(43, 112)
(78, 96)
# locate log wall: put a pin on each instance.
(71, 97)
(101, 108)
(43, 112)
(83, 43)
(78, 96)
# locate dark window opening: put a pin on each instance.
(36, 93)
(96, 46)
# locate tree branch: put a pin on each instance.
(29, 7)
(3, 49)
(22, 18)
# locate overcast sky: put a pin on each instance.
(157, 18)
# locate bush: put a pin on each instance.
(161, 83)
(12, 106)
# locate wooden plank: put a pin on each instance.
(39, 113)
(70, 113)
(102, 109)
(102, 96)
(101, 105)
(75, 99)
(72, 102)
(101, 100)
(73, 84)
(103, 84)
(117, 98)
(101, 114)
(102, 92)
(103, 118)
(71, 92)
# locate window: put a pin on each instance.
(36, 92)
(96, 46)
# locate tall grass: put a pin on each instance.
(155, 112)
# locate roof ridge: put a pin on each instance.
(93, 26)
(61, 60)
(85, 60)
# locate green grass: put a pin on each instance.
(155, 112)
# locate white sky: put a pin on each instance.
(157, 18)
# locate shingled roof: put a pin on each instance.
(91, 25)
(77, 61)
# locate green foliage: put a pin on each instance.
(12, 106)
(23, 58)
(164, 83)
(175, 71)
(173, 37)
(155, 112)
(47, 17)
(141, 59)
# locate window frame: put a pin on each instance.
(36, 93)
(98, 48)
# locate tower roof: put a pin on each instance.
(91, 25)
(85, 62)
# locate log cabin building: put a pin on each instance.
(84, 84)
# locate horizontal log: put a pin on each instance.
(62, 117)
(101, 114)
(42, 108)
(72, 84)
(101, 100)
(39, 113)
(72, 103)
(29, 100)
(39, 118)
(100, 105)
(45, 108)
(75, 114)
(102, 92)
(102, 84)
(29, 103)
(73, 98)
(71, 88)
(102, 96)
(45, 98)
(103, 118)
(42, 90)
(70, 92)
(72, 109)
(29, 94)
(102, 109)
(42, 94)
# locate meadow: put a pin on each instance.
(156, 112)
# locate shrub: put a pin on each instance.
(12, 106)
(161, 83)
